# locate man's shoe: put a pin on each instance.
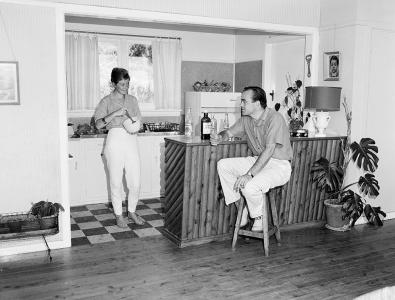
(244, 217)
(257, 224)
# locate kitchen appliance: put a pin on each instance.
(216, 104)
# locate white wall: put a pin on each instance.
(196, 46)
(30, 149)
(285, 57)
(249, 48)
(341, 39)
(30, 160)
(291, 12)
(381, 108)
(363, 31)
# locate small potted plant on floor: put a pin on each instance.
(47, 213)
(345, 205)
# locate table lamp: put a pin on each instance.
(322, 99)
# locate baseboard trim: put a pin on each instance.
(363, 220)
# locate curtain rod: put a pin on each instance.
(121, 34)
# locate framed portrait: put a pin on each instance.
(9, 83)
(331, 66)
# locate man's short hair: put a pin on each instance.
(334, 57)
(258, 95)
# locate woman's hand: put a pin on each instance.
(120, 112)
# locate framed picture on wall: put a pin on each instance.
(9, 83)
(331, 66)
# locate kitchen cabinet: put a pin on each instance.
(88, 174)
(75, 176)
(151, 150)
(96, 174)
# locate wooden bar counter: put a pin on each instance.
(195, 211)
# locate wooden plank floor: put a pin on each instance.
(309, 264)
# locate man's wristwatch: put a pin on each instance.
(250, 174)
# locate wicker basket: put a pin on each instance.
(161, 127)
(25, 222)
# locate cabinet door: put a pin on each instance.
(96, 172)
(146, 157)
(152, 166)
(157, 172)
(76, 187)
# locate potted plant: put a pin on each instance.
(345, 205)
(47, 213)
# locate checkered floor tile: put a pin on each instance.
(93, 224)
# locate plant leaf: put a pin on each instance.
(372, 214)
(364, 154)
(352, 206)
(369, 185)
(328, 175)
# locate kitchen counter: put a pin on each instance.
(195, 210)
(104, 135)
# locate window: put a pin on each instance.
(136, 57)
(89, 68)
(108, 59)
(141, 74)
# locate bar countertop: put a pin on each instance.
(195, 140)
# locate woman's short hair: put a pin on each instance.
(117, 74)
(258, 95)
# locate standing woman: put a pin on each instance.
(120, 114)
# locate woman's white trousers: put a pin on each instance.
(122, 155)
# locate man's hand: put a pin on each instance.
(215, 139)
(241, 182)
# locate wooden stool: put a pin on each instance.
(266, 233)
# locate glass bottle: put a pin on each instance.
(205, 126)
(213, 125)
(226, 122)
(188, 123)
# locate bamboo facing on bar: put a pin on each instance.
(195, 210)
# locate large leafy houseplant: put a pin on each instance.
(331, 177)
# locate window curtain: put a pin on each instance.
(82, 71)
(166, 59)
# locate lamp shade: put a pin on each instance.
(323, 98)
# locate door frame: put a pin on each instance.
(63, 10)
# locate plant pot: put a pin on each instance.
(334, 220)
(48, 222)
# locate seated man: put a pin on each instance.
(268, 138)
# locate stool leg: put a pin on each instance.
(275, 218)
(265, 225)
(238, 221)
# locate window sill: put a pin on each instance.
(144, 113)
